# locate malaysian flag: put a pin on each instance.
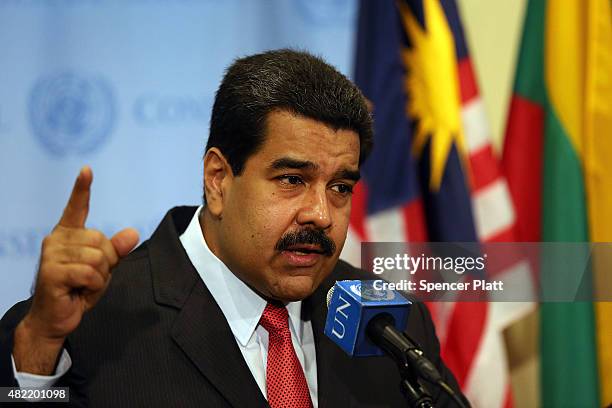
(433, 175)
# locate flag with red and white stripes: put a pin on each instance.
(433, 174)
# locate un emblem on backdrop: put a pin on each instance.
(71, 113)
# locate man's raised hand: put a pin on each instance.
(75, 270)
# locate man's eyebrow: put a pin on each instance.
(289, 163)
(353, 175)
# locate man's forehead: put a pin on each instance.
(292, 135)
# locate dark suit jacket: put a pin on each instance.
(158, 339)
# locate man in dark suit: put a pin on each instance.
(224, 305)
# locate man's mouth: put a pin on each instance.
(302, 255)
(306, 249)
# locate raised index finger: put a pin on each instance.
(77, 208)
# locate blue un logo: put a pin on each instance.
(72, 114)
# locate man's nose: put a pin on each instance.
(315, 208)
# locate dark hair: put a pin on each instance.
(286, 79)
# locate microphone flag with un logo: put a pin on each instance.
(352, 304)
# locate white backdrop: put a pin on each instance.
(125, 86)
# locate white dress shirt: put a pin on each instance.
(27, 380)
(242, 308)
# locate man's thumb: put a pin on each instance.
(124, 241)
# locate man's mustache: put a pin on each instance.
(307, 236)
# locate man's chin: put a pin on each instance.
(294, 288)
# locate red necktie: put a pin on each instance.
(285, 381)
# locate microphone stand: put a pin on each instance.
(410, 360)
(412, 389)
(399, 347)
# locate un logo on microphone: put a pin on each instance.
(367, 291)
(71, 113)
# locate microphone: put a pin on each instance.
(365, 320)
(351, 305)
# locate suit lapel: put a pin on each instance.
(205, 337)
(200, 329)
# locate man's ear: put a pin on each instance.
(218, 176)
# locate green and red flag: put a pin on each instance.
(557, 161)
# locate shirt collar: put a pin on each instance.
(241, 306)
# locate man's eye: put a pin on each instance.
(293, 180)
(343, 188)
